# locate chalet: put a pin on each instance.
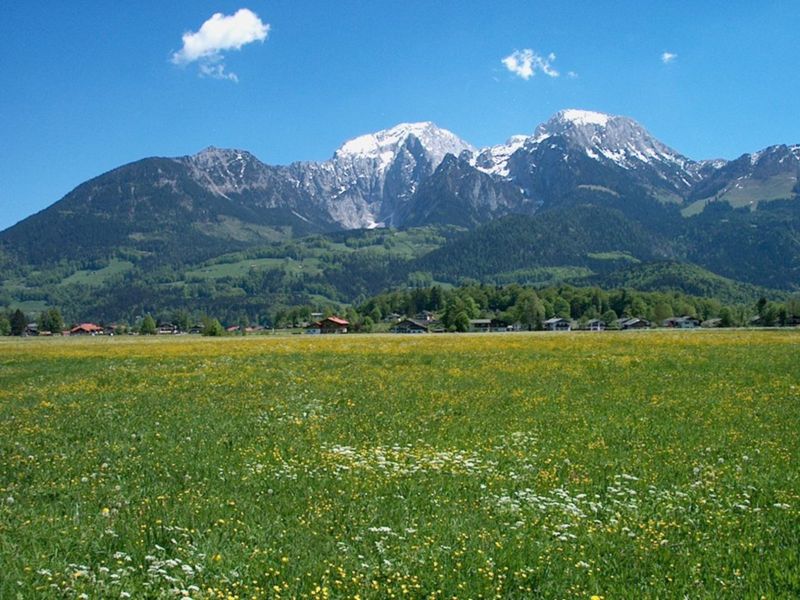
(558, 324)
(684, 322)
(500, 325)
(595, 325)
(31, 329)
(634, 323)
(712, 323)
(480, 325)
(425, 316)
(196, 329)
(410, 326)
(329, 325)
(393, 318)
(86, 329)
(167, 329)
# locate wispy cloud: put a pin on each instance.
(668, 57)
(220, 33)
(525, 63)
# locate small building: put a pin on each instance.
(480, 325)
(31, 329)
(500, 325)
(86, 329)
(425, 316)
(167, 329)
(410, 326)
(558, 324)
(684, 322)
(595, 325)
(712, 323)
(329, 325)
(634, 323)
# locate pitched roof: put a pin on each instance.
(90, 327)
(337, 320)
(412, 322)
(556, 320)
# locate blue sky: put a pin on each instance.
(88, 86)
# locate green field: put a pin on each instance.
(618, 465)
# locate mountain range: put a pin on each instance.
(599, 179)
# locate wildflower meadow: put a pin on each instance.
(579, 465)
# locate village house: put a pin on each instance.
(595, 325)
(480, 325)
(86, 329)
(167, 329)
(329, 325)
(634, 323)
(425, 316)
(711, 323)
(500, 325)
(410, 326)
(558, 324)
(684, 322)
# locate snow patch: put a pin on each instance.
(299, 216)
(494, 160)
(584, 117)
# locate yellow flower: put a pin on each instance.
(217, 557)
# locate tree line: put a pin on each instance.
(454, 307)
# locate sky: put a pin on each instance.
(86, 86)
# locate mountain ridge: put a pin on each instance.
(583, 193)
(370, 178)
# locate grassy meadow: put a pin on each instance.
(618, 465)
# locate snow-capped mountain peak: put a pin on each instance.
(620, 140)
(583, 117)
(383, 146)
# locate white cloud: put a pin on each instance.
(668, 57)
(220, 33)
(525, 63)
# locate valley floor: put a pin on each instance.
(622, 465)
